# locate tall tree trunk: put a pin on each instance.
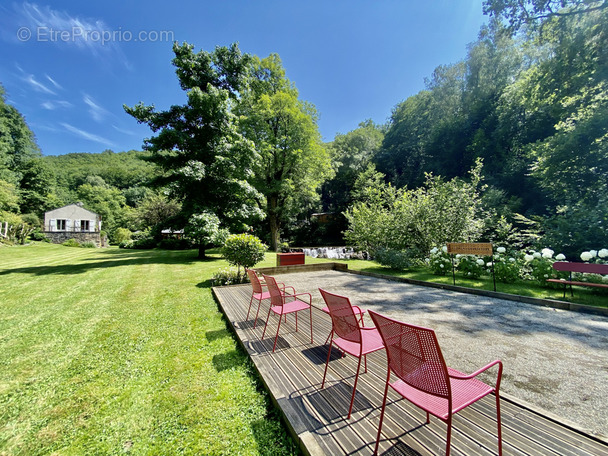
(273, 221)
(201, 250)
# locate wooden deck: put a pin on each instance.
(317, 417)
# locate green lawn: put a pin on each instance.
(108, 351)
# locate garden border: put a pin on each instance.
(491, 294)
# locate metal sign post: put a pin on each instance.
(478, 248)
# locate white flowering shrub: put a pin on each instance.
(439, 261)
(506, 267)
(595, 256)
(471, 266)
(538, 266)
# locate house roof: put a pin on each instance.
(78, 206)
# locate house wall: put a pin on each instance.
(73, 215)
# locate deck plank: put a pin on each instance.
(317, 417)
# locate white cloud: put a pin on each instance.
(38, 86)
(55, 104)
(55, 83)
(54, 27)
(124, 131)
(87, 135)
(97, 112)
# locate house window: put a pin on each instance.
(61, 224)
(84, 225)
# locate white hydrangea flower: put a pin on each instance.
(603, 253)
(593, 253)
(547, 253)
(528, 258)
(546, 276)
(512, 260)
(441, 265)
(605, 279)
(489, 263)
(434, 250)
(586, 256)
(501, 250)
(536, 255)
(480, 262)
(560, 257)
(445, 249)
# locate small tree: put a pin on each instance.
(204, 229)
(243, 250)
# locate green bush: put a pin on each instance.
(122, 234)
(175, 244)
(38, 235)
(439, 261)
(243, 250)
(126, 244)
(71, 243)
(471, 266)
(88, 245)
(394, 259)
(228, 276)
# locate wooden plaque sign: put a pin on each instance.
(479, 248)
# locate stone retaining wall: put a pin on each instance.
(59, 237)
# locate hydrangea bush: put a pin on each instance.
(439, 261)
(506, 267)
(470, 266)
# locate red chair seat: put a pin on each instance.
(464, 393)
(289, 307)
(371, 342)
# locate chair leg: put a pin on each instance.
(352, 399)
(296, 321)
(449, 438)
(310, 309)
(327, 363)
(250, 302)
(277, 336)
(381, 417)
(266, 322)
(499, 424)
(255, 322)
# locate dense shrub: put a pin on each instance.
(228, 276)
(38, 235)
(88, 245)
(416, 220)
(394, 259)
(439, 261)
(126, 244)
(243, 250)
(121, 235)
(71, 243)
(471, 266)
(174, 244)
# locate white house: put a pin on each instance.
(72, 218)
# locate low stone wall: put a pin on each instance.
(59, 237)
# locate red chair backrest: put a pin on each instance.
(344, 321)
(255, 281)
(414, 355)
(276, 297)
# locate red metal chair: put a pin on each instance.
(280, 306)
(258, 292)
(352, 338)
(424, 379)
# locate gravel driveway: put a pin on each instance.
(556, 360)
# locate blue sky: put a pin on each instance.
(69, 66)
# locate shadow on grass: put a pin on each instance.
(112, 258)
(226, 361)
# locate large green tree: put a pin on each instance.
(204, 159)
(291, 161)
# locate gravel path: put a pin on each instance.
(556, 360)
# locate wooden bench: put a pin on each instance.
(579, 267)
